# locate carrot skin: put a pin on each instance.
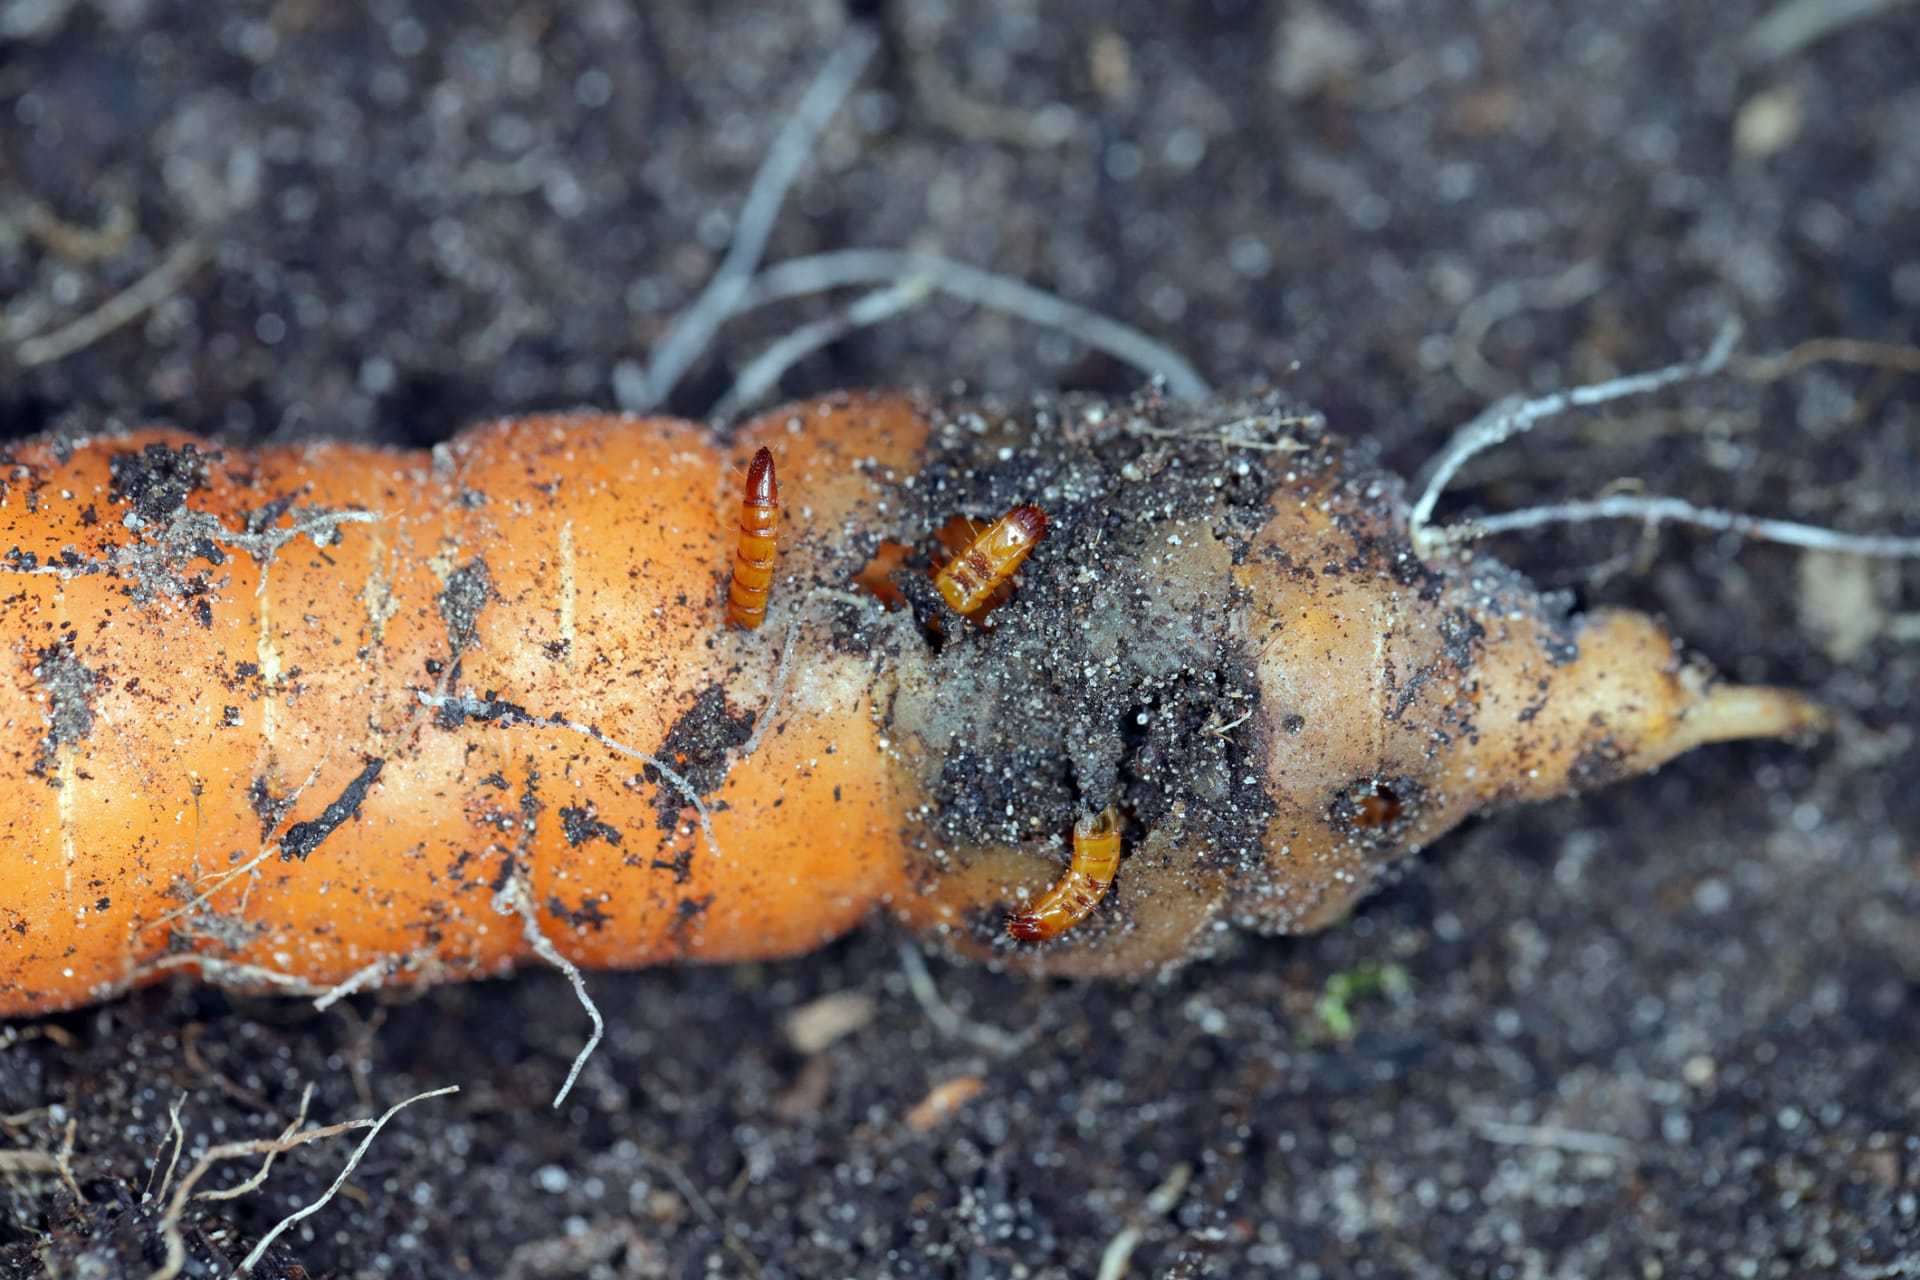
(186, 717)
(334, 715)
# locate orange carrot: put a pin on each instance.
(318, 718)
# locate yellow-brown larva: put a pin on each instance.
(1096, 856)
(759, 544)
(970, 578)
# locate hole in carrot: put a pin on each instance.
(876, 579)
(1376, 808)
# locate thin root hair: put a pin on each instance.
(758, 380)
(1654, 510)
(841, 268)
(900, 279)
(507, 714)
(373, 1127)
(764, 720)
(122, 309)
(513, 899)
(1510, 418)
(178, 1194)
(693, 328)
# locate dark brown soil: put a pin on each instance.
(1671, 1029)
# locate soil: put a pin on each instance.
(1672, 1028)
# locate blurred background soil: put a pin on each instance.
(1671, 1029)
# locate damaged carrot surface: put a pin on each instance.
(330, 717)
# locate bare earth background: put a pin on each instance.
(1671, 1030)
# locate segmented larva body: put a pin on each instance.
(1096, 857)
(759, 544)
(970, 579)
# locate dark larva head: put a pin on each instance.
(763, 485)
(1028, 522)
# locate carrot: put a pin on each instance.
(317, 718)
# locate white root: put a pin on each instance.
(764, 720)
(1651, 510)
(1556, 1137)
(231, 974)
(801, 277)
(899, 279)
(505, 714)
(687, 337)
(1886, 356)
(121, 309)
(948, 1022)
(179, 1137)
(178, 1195)
(514, 900)
(259, 1251)
(1508, 419)
(758, 379)
(266, 1165)
(358, 980)
(1511, 298)
(1117, 1258)
(1795, 24)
